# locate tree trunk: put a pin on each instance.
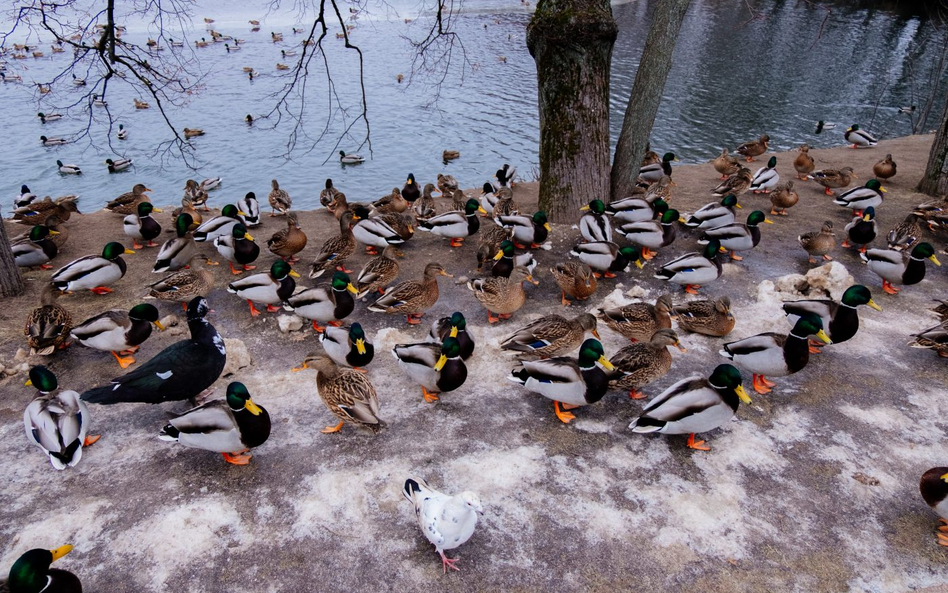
(11, 284)
(935, 181)
(571, 42)
(646, 94)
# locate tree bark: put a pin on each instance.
(935, 181)
(646, 94)
(571, 42)
(11, 283)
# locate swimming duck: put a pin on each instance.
(639, 364)
(140, 104)
(238, 247)
(456, 225)
(505, 260)
(93, 272)
(652, 234)
(885, 168)
(327, 194)
(693, 269)
(725, 164)
(695, 405)
(219, 226)
(505, 175)
(934, 489)
(55, 141)
(636, 209)
(859, 138)
(211, 183)
(569, 382)
(653, 172)
(575, 279)
(736, 184)
(335, 250)
(862, 230)
(766, 178)
(638, 321)
(280, 201)
(373, 232)
(840, 320)
(57, 423)
(193, 132)
(393, 202)
(532, 230)
(906, 233)
(412, 297)
(270, 289)
(754, 148)
(437, 368)
(351, 158)
(736, 236)
(424, 207)
(500, 295)
(25, 198)
(183, 285)
(819, 242)
(710, 318)
(605, 258)
(348, 394)
(178, 252)
(122, 134)
(128, 202)
(347, 346)
(118, 331)
(248, 210)
(804, 163)
(783, 197)
(47, 326)
(179, 372)
(142, 225)
(31, 572)
(68, 169)
(860, 198)
(410, 190)
(934, 338)
(454, 326)
(118, 164)
(286, 243)
(48, 117)
(595, 225)
(550, 335)
(230, 426)
(832, 178)
(714, 214)
(899, 266)
(38, 250)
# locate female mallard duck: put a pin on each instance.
(40, 212)
(819, 242)
(286, 243)
(505, 175)
(455, 327)
(488, 199)
(860, 198)
(575, 279)
(142, 226)
(638, 321)
(660, 190)
(804, 163)
(459, 200)
(654, 172)
(693, 269)
(605, 258)
(783, 197)
(351, 158)
(754, 148)
(68, 169)
(25, 198)
(766, 178)
(31, 572)
(934, 489)
(503, 296)
(231, 426)
(327, 194)
(859, 138)
(179, 372)
(775, 354)
(410, 190)
(412, 297)
(326, 303)
(714, 214)
(47, 326)
(736, 236)
(456, 225)
(93, 272)
(335, 250)
(636, 209)
(219, 226)
(550, 335)
(394, 202)
(899, 266)
(117, 165)
(832, 178)
(187, 207)
(140, 104)
(885, 168)
(505, 206)
(438, 368)
(348, 394)
(506, 260)
(447, 184)
(198, 196)
(193, 132)
(862, 230)
(424, 207)
(374, 232)
(118, 331)
(183, 285)
(595, 225)
(270, 289)
(840, 320)
(341, 204)
(652, 234)
(38, 250)
(695, 405)
(403, 224)
(906, 233)
(532, 230)
(639, 364)
(377, 273)
(934, 338)
(348, 346)
(176, 253)
(280, 201)
(569, 382)
(490, 242)
(238, 247)
(736, 184)
(709, 318)
(725, 164)
(56, 423)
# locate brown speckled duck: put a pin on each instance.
(550, 335)
(819, 242)
(47, 327)
(286, 243)
(128, 202)
(804, 162)
(782, 197)
(754, 148)
(639, 364)
(725, 164)
(709, 318)
(832, 179)
(412, 297)
(335, 250)
(885, 168)
(575, 279)
(638, 321)
(348, 394)
(503, 296)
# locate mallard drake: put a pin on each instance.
(412, 297)
(505, 206)
(862, 230)
(348, 346)
(575, 279)
(211, 183)
(410, 190)
(31, 572)
(714, 214)
(438, 368)
(118, 331)
(832, 178)
(238, 247)
(447, 184)
(803, 163)
(899, 267)
(754, 148)
(38, 250)
(193, 132)
(373, 232)
(47, 326)
(424, 207)
(54, 141)
(505, 175)
(183, 285)
(934, 489)
(840, 320)
(326, 303)
(652, 234)
(532, 230)
(230, 426)
(176, 253)
(636, 209)
(454, 326)
(68, 169)
(456, 225)
(638, 321)
(56, 423)
(736, 184)
(652, 173)
(693, 269)
(725, 164)
(934, 338)
(122, 133)
(736, 236)
(286, 243)
(695, 405)
(117, 165)
(351, 158)
(270, 289)
(488, 198)
(860, 198)
(393, 202)
(377, 273)
(605, 258)
(550, 335)
(327, 194)
(594, 225)
(49, 117)
(783, 197)
(179, 372)
(348, 394)
(25, 198)
(93, 272)
(505, 260)
(569, 382)
(219, 226)
(906, 233)
(819, 242)
(490, 242)
(503, 296)
(885, 168)
(335, 250)
(280, 201)
(142, 226)
(639, 364)
(766, 178)
(710, 318)
(128, 202)
(248, 209)
(775, 354)
(859, 138)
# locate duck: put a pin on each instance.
(550, 335)
(754, 148)
(725, 164)
(335, 250)
(899, 266)
(652, 234)
(706, 317)
(38, 250)
(906, 233)
(98, 101)
(219, 226)
(803, 164)
(642, 363)
(231, 426)
(859, 138)
(505, 206)
(459, 200)
(58, 234)
(766, 178)
(695, 405)
(934, 338)
(500, 295)
(25, 198)
(49, 117)
(271, 288)
(348, 346)
(775, 354)
(885, 169)
(183, 285)
(402, 224)
(229, 49)
(55, 141)
(193, 191)
(341, 204)
(862, 230)
(736, 184)
(860, 198)
(286, 243)
(115, 166)
(128, 202)
(819, 242)
(489, 244)
(328, 194)
(140, 104)
(193, 132)
(454, 326)
(714, 214)
(661, 189)
(505, 260)
(455, 225)
(449, 155)
(351, 158)
(118, 331)
(506, 175)
(832, 178)
(177, 253)
(783, 197)
(57, 423)
(638, 321)
(280, 201)
(410, 191)
(822, 125)
(934, 489)
(840, 321)
(424, 207)
(93, 272)
(41, 212)
(594, 225)
(348, 394)
(412, 297)
(211, 183)
(736, 236)
(652, 173)
(142, 226)
(373, 232)
(693, 269)
(635, 209)
(575, 279)
(447, 184)
(527, 230)
(68, 169)
(437, 368)
(238, 247)
(248, 210)
(47, 326)
(377, 273)
(605, 258)
(122, 133)
(327, 303)
(488, 198)
(393, 202)
(569, 382)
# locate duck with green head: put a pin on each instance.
(899, 267)
(594, 225)
(840, 320)
(31, 573)
(527, 230)
(348, 346)
(93, 272)
(325, 303)
(219, 226)
(176, 253)
(238, 247)
(766, 178)
(273, 288)
(652, 173)
(142, 226)
(606, 259)
(736, 236)
(454, 326)
(56, 422)
(635, 209)
(119, 332)
(860, 198)
(714, 214)
(455, 225)
(38, 250)
(858, 138)
(693, 269)
(652, 234)
(438, 368)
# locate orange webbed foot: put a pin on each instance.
(123, 361)
(332, 429)
(429, 397)
(237, 458)
(697, 445)
(563, 415)
(91, 440)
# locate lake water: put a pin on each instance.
(733, 79)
